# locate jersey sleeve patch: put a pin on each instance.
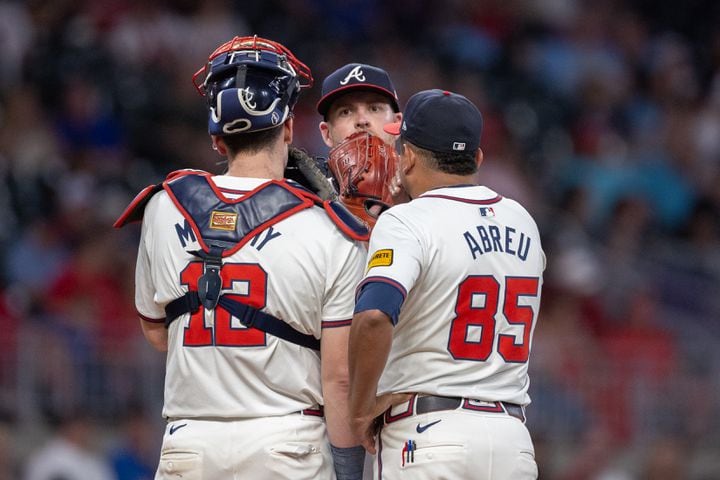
(381, 258)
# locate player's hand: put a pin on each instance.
(367, 426)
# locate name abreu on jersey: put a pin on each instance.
(498, 239)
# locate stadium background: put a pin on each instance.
(602, 117)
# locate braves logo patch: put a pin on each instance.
(223, 221)
(381, 258)
(355, 73)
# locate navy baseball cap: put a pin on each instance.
(356, 76)
(440, 121)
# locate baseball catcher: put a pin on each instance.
(256, 340)
(363, 167)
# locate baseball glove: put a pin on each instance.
(364, 166)
(311, 173)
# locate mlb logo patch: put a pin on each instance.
(459, 146)
(223, 221)
(487, 212)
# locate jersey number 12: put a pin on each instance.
(224, 334)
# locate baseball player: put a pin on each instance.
(357, 98)
(445, 315)
(357, 101)
(247, 280)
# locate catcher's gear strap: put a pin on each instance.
(274, 196)
(249, 316)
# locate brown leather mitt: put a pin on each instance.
(363, 166)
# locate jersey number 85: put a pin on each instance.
(471, 313)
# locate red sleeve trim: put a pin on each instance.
(390, 281)
(337, 323)
(151, 320)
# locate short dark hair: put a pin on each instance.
(251, 142)
(454, 163)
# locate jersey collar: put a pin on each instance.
(467, 193)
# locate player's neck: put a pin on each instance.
(438, 180)
(262, 164)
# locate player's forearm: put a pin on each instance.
(335, 385)
(370, 340)
(337, 414)
(155, 334)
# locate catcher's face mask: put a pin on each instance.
(363, 166)
(250, 84)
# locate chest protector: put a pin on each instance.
(223, 226)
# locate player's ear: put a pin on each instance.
(288, 127)
(397, 117)
(325, 133)
(479, 157)
(218, 144)
(407, 159)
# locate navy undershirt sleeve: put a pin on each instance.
(380, 296)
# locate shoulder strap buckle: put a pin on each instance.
(210, 283)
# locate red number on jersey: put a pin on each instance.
(476, 307)
(198, 335)
(516, 287)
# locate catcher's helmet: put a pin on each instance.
(251, 84)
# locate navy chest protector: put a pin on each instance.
(223, 226)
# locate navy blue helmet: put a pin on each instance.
(250, 84)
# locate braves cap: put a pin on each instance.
(440, 121)
(356, 76)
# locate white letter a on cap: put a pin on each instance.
(356, 73)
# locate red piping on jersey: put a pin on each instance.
(489, 201)
(306, 203)
(389, 281)
(151, 320)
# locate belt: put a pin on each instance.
(418, 405)
(312, 412)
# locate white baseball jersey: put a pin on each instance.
(470, 264)
(302, 270)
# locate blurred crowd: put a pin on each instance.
(601, 117)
